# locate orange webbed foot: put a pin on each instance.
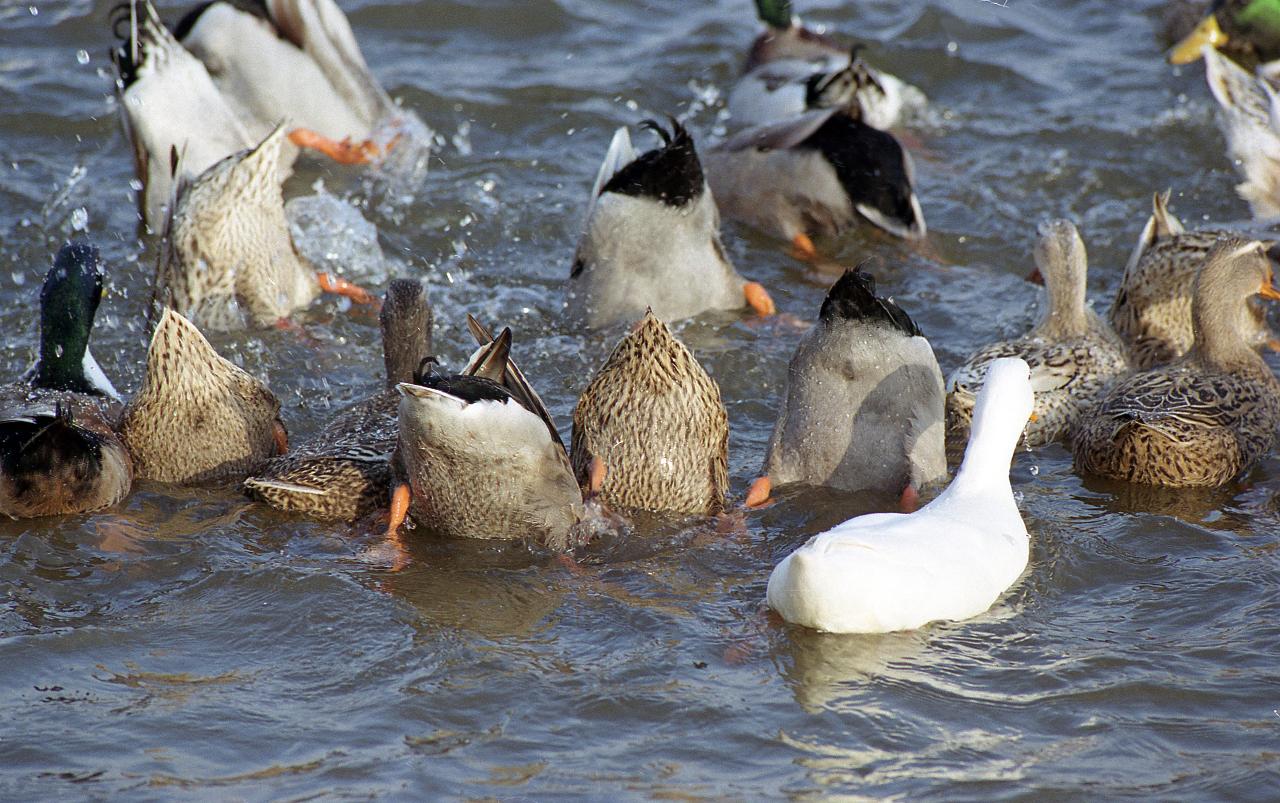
(758, 496)
(344, 152)
(339, 286)
(758, 298)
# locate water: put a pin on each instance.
(190, 644)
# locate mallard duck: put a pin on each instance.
(231, 71)
(198, 417)
(952, 559)
(652, 238)
(1072, 352)
(650, 431)
(813, 176)
(1204, 419)
(58, 451)
(472, 461)
(344, 471)
(1250, 120)
(228, 258)
(1152, 309)
(862, 408)
(1246, 30)
(783, 89)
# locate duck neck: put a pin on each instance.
(64, 339)
(1065, 313)
(1220, 340)
(992, 438)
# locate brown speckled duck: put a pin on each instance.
(1206, 418)
(229, 259)
(198, 417)
(1073, 354)
(344, 471)
(1152, 309)
(650, 431)
(58, 450)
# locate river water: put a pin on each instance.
(191, 644)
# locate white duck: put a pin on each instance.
(949, 560)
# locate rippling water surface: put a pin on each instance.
(190, 643)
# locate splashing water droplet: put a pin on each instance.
(82, 56)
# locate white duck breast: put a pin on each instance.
(652, 238)
(169, 105)
(950, 560)
(863, 406)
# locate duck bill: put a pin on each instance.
(1208, 32)
(913, 229)
(1269, 291)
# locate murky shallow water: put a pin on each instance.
(190, 643)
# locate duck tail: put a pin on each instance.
(1250, 110)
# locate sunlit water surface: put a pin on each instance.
(192, 643)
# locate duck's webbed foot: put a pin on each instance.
(344, 152)
(340, 286)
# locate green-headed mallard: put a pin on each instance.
(58, 451)
(229, 259)
(344, 471)
(1072, 352)
(1152, 309)
(814, 176)
(652, 239)
(863, 404)
(1209, 416)
(791, 69)
(198, 417)
(650, 431)
(1246, 30)
(473, 461)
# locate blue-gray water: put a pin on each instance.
(190, 644)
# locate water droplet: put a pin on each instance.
(80, 219)
(1035, 471)
(135, 184)
(35, 12)
(57, 350)
(19, 278)
(82, 56)
(953, 47)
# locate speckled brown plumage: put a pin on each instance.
(343, 472)
(1152, 309)
(198, 417)
(1072, 353)
(229, 260)
(1204, 419)
(655, 419)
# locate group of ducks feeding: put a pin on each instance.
(1170, 390)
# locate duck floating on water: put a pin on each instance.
(952, 559)
(863, 404)
(652, 239)
(199, 417)
(1152, 309)
(1072, 352)
(59, 451)
(650, 431)
(792, 69)
(344, 472)
(814, 176)
(1207, 417)
(229, 260)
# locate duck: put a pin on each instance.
(791, 69)
(1247, 31)
(59, 451)
(1072, 352)
(1204, 419)
(1249, 120)
(652, 238)
(198, 417)
(862, 409)
(949, 560)
(1151, 311)
(473, 461)
(815, 175)
(228, 260)
(650, 431)
(344, 472)
(230, 71)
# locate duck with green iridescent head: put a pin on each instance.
(1246, 30)
(59, 452)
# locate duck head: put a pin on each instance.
(1061, 259)
(1244, 29)
(1221, 316)
(69, 301)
